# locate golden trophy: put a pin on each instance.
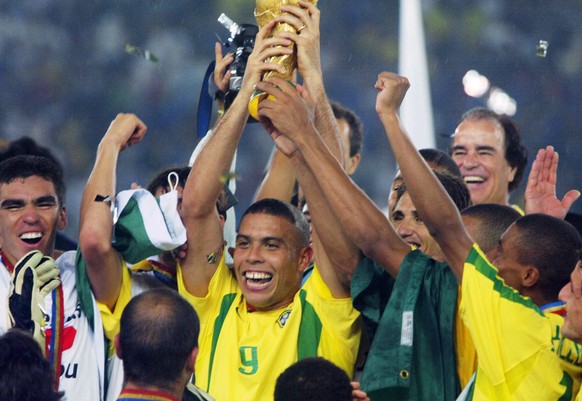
(265, 11)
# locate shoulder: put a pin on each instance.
(66, 263)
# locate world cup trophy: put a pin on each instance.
(265, 11)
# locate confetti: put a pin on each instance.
(145, 54)
(223, 179)
(542, 48)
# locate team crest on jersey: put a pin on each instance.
(283, 317)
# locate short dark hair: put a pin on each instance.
(515, 152)
(356, 126)
(455, 187)
(27, 146)
(575, 219)
(160, 180)
(441, 159)
(553, 246)
(313, 379)
(25, 374)
(275, 207)
(25, 166)
(158, 331)
(494, 220)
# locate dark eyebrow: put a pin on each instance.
(12, 203)
(45, 199)
(457, 147)
(486, 147)
(263, 240)
(276, 239)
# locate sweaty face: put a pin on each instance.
(30, 215)
(268, 261)
(479, 150)
(571, 294)
(411, 228)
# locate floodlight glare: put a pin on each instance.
(475, 84)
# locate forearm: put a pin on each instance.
(279, 181)
(432, 202)
(101, 184)
(96, 222)
(359, 218)
(214, 160)
(325, 121)
(341, 255)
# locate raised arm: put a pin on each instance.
(540, 193)
(289, 112)
(359, 218)
(104, 266)
(306, 20)
(213, 162)
(280, 178)
(279, 181)
(355, 215)
(432, 202)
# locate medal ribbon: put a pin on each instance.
(7, 263)
(140, 395)
(55, 351)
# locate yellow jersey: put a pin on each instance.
(521, 352)
(242, 352)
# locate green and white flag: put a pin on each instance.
(144, 226)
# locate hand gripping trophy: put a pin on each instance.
(265, 11)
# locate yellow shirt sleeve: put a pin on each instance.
(111, 318)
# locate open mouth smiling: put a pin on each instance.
(473, 179)
(31, 238)
(257, 280)
(414, 243)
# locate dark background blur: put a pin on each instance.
(64, 75)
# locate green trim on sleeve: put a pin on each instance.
(310, 330)
(227, 301)
(483, 266)
(84, 289)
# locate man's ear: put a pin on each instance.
(191, 361)
(117, 346)
(531, 276)
(354, 161)
(231, 251)
(62, 224)
(510, 176)
(305, 258)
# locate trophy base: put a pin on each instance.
(256, 98)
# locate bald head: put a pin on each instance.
(159, 330)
